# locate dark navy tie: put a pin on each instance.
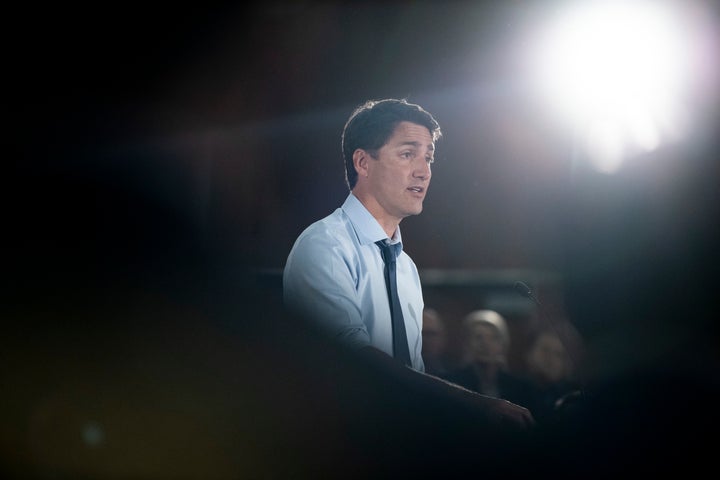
(401, 351)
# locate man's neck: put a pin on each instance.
(388, 223)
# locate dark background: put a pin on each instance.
(232, 116)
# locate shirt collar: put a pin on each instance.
(366, 226)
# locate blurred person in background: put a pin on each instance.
(550, 372)
(487, 371)
(434, 346)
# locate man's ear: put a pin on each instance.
(360, 162)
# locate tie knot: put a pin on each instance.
(388, 251)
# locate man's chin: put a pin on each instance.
(412, 210)
(411, 213)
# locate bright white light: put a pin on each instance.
(615, 70)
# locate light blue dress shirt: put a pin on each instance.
(334, 275)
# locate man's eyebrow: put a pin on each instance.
(431, 147)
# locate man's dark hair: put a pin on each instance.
(373, 123)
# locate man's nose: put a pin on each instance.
(423, 170)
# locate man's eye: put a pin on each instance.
(429, 159)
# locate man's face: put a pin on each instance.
(400, 175)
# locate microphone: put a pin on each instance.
(525, 291)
